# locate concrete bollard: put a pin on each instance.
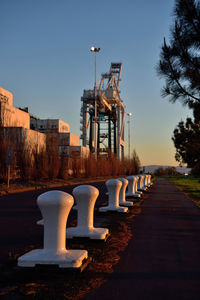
(55, 207)
(146, 180)
(132, 187)
(141, 185)
(113, 187)
(86, 196)
(136, 187)
(122, 193)
(149, 180)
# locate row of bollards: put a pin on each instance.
(55, 207)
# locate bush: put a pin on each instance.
(196, 170)
(166, 171)
(38, 164)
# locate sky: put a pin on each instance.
(45, 61)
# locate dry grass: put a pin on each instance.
(31, 163)
(189, 185)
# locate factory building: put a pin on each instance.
(35, 132)
(11, 116)
(15, 124)
(49, 125)
(68, 143)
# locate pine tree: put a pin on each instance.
(186, 139)
(180, 58)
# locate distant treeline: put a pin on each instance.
(166, 171)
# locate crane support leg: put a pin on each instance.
(115, 137)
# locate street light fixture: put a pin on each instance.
(129, 136)
(95, 50)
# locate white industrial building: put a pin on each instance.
(16, 124)
(35, 131)
(11, 116)
(68, 143)
(49, 125)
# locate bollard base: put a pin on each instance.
(40, 222)
(136, 195)
(142, 190)
(66, 259)
(126, 203)
(53, 268)
(112, 208)
(92, 233)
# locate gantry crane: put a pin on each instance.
(110, 114)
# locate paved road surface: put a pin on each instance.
(162, 261)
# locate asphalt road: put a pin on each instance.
(162, 260)
(18, 216)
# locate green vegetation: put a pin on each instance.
(179, 66)
(188, 184)
(179, 58)
(186, 140)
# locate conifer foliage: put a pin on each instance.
(180, 58)
(179, 65)
(186, 139)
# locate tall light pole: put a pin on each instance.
(129, 135)
(95, 50)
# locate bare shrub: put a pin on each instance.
(53, 158)
(115, 165)
(3, 155)
(76, 167)
(7, 145)
(24, 161)
(171, 171)
(40, 164)
(111, 166)
(90, 166)
(4, 145)
(64, 166)
(103, 166)
(46, 163)
(135, 162)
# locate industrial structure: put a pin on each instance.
(110, 114)
(20, 126)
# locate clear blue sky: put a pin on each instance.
(45, 61)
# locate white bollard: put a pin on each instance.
(113, 187)
(146, 180)
(140, 185)
(55, 207)
(86, 196)
(132, 187)
(149, 180)
(136, 187)
(122, 193)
